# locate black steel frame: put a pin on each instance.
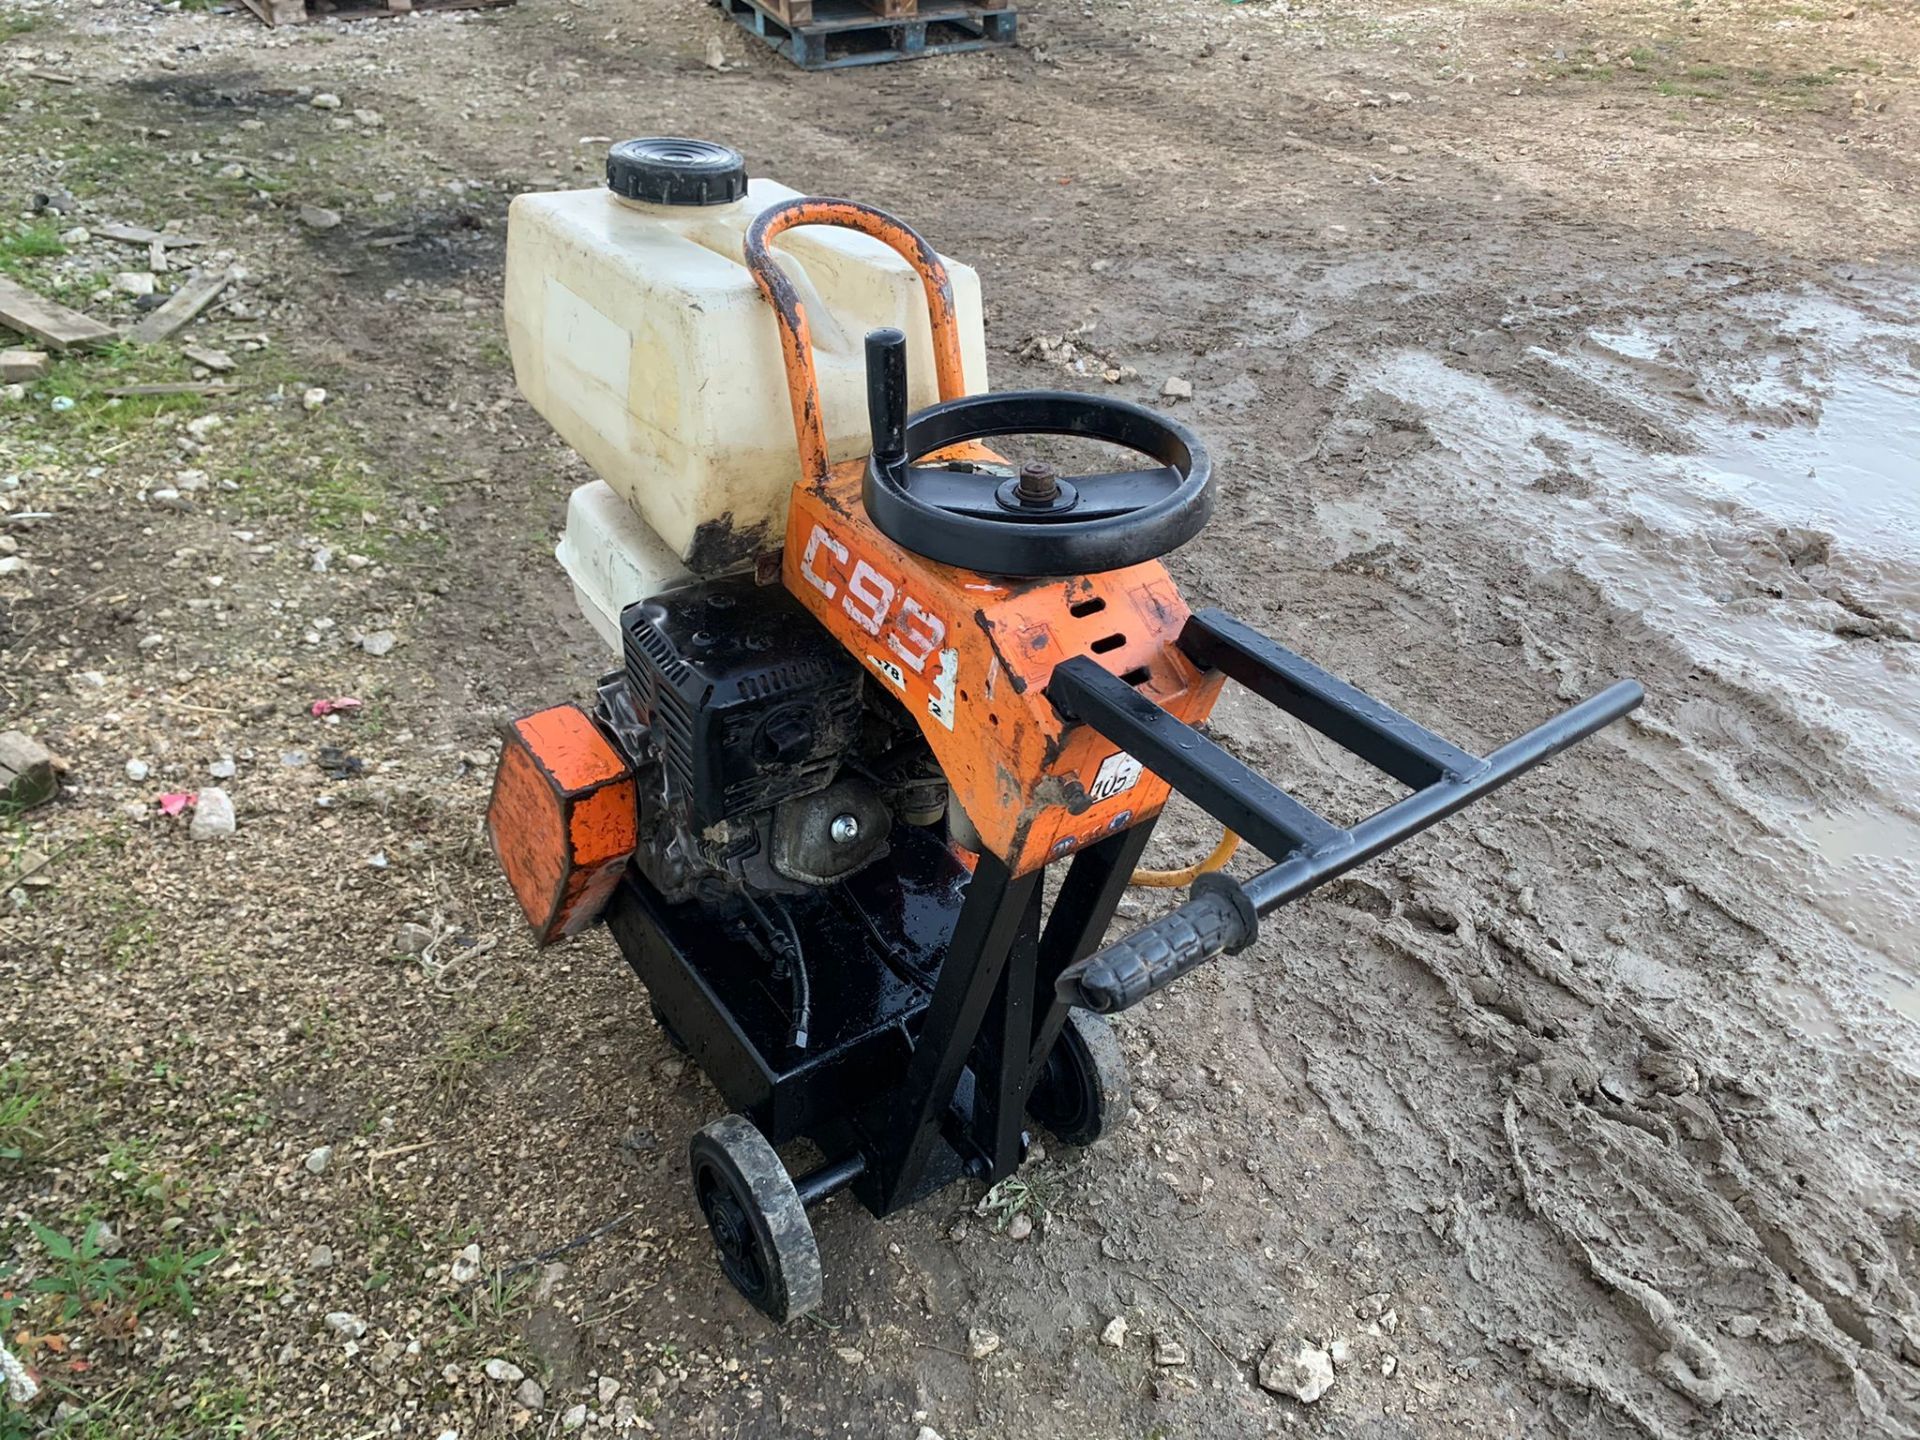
(941, 1085)
(1307, 849)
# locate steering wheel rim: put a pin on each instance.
(1089, 524)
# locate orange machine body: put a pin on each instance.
(562, 820)
(970, 655)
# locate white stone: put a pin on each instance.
(212, 816)
(324, 101)
(1306, 1375)
(1177, 389)
(466, 1266)
(574, 1417)
(134, 282)
(313, 399)
(138, 770)
(317, 1160)
(346, 1324)
(1116, 1332)
(505, 1371)
(530, 1395)
(608, 1389)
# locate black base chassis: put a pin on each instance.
(929, 990)
(938, 995)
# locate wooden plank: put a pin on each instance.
(170, 387)
(141, 235)
(17, 366)
(279, 12)
(56, 325)
(27, 777)
(295, 12)
(188, 301)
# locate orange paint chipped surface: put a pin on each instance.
(970, 656)
(562, 819)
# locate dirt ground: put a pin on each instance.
(1538, 345)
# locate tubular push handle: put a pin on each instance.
(1223, 916)
(790, 314)
(1219, 920)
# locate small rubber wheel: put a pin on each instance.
(666, 1028)
(1084, 1090)
(758, 1224)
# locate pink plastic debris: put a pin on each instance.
(175, 802)
(334, 706)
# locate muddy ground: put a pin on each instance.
(1538, 345)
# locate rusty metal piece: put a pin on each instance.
(1039, 483)
(796, 338)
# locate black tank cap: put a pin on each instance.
(665, 171)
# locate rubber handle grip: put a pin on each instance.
(887, 392)
(1218, 920)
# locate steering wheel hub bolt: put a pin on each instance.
(1039, 483)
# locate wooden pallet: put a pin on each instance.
(833, 34)
(299, 12)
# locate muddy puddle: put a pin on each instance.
(1779, 548)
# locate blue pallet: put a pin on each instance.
(865, 38)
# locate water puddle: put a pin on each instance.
(1873, 858)
(1782, 555)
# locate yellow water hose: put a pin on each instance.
(1180, 879)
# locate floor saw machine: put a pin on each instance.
(862, 707)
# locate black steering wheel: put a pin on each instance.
(1030, 521)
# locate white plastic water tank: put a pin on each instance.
(638, 333)
(613, 558)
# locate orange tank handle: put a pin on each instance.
(796, 340)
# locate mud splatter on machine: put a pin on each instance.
(816, 800)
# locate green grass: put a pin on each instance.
(213, 1408)
(492, 1302)
(165, 1279)
(79, 1271)
(85, 379)
(39, 240)
(130, 1181)
(24, 1115)
(1663, 67)
(472, 1047)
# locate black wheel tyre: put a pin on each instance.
(1084, 1090)
(758, 1224)
(666, 1028)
